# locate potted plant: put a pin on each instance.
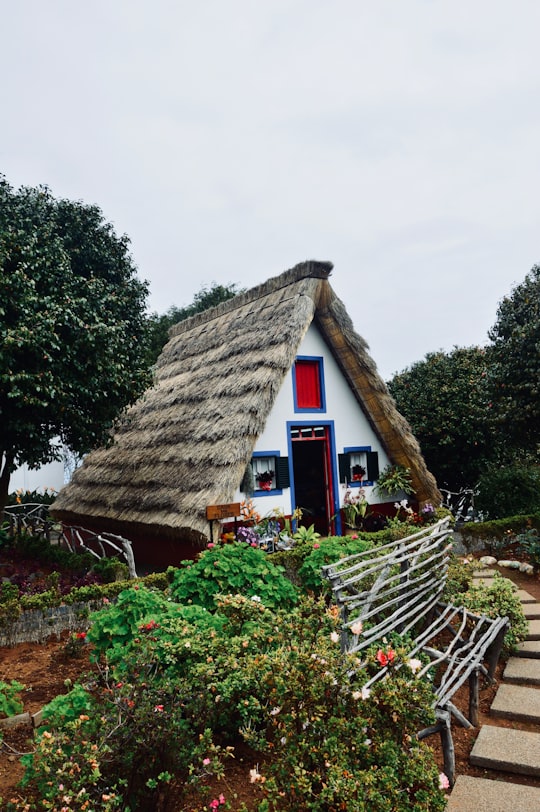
(264, 480)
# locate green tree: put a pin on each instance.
(445, 399)
(159, 325)
(515, 365)
(73, 330)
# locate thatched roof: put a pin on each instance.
(185, 444)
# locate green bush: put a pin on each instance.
(498, 599)
(232, 569)
(497, 533)
(275, 678)
(10, 702)
(509, 489)
(328, 551)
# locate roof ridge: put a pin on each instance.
(311, 268)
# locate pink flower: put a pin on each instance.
(206, 762)
(316, 546)
(357, 627)
(210, 545)
(158, 709)
(334, 637)
(444, 783)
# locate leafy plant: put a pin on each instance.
(505, 490)
(393, 479)
(529, 542)
(10, 702)
(498, 599)
(328, 551)
(355, 507)
(232, 569)
(306, 534)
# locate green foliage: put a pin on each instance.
(274, 677)
(502, 530)
(509, 489)
(45, 496)
(498, 599)
(458, 580)
(529, 542)
(10, 702)
(446, 401)
(393, 479)
(232, 569)
(72, 328)
(111, 569)
(159, 325)
(43, 551)
(115, 626)
(328, 551)
(515, 363)
(306, 534)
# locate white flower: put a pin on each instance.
(256, 598)
(254, 775)
(283, 740)
(275, 711)
(357, 627)
(334, 637)
(414, 664)
(363, 694)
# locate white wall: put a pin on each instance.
(351, 426)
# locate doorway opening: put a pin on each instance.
(312, 476)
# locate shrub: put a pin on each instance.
(328, 551)
(275, 677)
(10, 702)
(232, 569)
(498, 533)
(498, 599)
(509, 489)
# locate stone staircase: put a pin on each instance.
(508, 752)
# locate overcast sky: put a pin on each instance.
(231, 139)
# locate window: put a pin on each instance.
(359, 466)
(270, 472)
(308, 385)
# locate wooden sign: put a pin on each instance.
(223, 511)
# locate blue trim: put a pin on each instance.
(260, 492)
(355, 449)
(319, 360)
(333, 457)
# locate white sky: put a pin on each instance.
(231, 139)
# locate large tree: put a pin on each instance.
(445, 399)
(515, 365)
(73, 330)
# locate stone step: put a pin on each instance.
(525, 597)
(483, 795)
(519, 669)
(517, 702)
(534, 630)
(501, 748)
(529, 649)
(531, 611)
(487, 573)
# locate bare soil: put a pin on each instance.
(44, 669)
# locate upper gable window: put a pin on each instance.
(308, 385)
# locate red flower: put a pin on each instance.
(385, 658)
